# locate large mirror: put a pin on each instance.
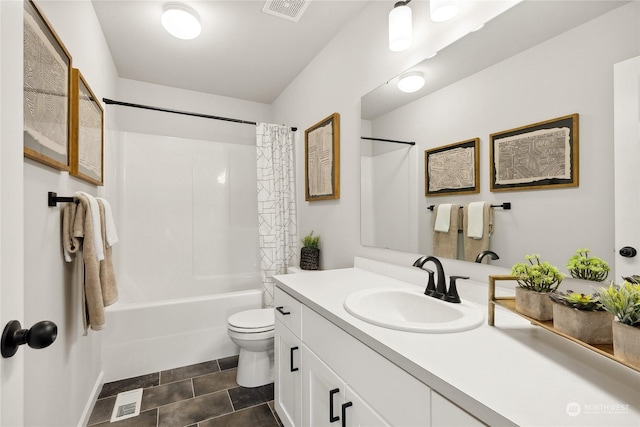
(537, 61)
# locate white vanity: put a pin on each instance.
(337, 370)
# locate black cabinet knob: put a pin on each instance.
(628, 252)
(41, 335)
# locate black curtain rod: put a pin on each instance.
(388, 140)
(506, 206)
(184, 113)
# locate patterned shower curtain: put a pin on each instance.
(277, 222)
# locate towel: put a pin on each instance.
(70, 243)
(443, 218)
(95, 221)
(475, 222)
(472, 245)
(110, 226)
(445, 244)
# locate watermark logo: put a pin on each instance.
(574, 408)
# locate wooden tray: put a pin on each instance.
(510, 304)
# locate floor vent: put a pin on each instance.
(291, 10)
(127, 405)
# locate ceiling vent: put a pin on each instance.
(290, 10)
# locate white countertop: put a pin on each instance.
(513, 373)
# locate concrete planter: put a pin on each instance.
(626, 342)
(536, 305)
(592, 327)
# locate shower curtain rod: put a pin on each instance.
(185, 113)
(388, 140)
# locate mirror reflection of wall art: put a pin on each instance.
(47, 82)
(538, 156)
(453, 169)
(322, 159)
(87, 132)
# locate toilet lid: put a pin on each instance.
(258, 320)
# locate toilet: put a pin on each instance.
(253, 332)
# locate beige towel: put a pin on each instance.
(70, 244)
(446, 244)
(472, 246)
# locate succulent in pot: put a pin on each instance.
(623, 301)
(582, 316)
(310, 252)
(535, 280)
(582, 266)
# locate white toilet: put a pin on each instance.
(253, 331)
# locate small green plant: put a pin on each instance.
(311, 241)
(582, 266)
(586, 302)
(622, 301)
(537, 276)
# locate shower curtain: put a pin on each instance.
(277, 222)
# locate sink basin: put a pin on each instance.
(410, 310)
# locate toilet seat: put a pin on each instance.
(252, 321)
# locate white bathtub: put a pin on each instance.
(141, 338)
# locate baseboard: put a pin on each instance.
(91, 402)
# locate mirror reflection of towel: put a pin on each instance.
(445, 244)
(443, 218)
(475, 219)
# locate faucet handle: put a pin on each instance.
(431, 284)
(452, 293)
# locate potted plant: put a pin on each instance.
(623, 302)
(535, 280)
(310, 252)
(582, 266)
(582, 316)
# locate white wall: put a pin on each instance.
(60, 379)
(582, 60)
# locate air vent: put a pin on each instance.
(290, 10)
(127, 405)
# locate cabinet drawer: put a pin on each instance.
(368, 373)
(288, 311)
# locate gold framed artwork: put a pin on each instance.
(322, 159)
(453, 169)
(87, 132)
(47, 85)
(542, 155)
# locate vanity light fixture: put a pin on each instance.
(443, 10)
(400, 31)
(181, 21)
(411, 81)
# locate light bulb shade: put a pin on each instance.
(181, 21)
(443, 10)
(411, 82)
(400, 30)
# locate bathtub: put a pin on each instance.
(145, 337)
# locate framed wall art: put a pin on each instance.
(452, 169)
(47, 85)
(542, 155)
(322, 159)
(87, 132)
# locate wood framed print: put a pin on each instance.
(47, 85)
(87, 132)
(539, 156)
(322, 159)
(452, 169)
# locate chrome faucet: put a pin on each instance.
(491, 254)
(440, 289)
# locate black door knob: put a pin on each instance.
(628, 252)
(41, 335)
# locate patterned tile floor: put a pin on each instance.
(202, 395)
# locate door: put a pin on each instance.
(626, 155)
(11, 206)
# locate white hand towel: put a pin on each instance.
(95, 222)
(475, 226)
(443, 218)
(110, 226)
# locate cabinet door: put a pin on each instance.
(359, 414)
(288, 373)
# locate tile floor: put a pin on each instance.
(202, 395)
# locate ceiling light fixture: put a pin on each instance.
(411, 82)
(181, 21)
(443, 10)
(400, 31)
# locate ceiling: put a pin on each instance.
(242, 51)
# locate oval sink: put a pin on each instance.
(410, 310)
